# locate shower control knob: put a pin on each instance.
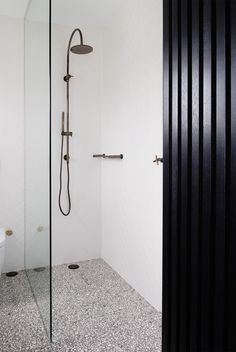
(158, 160)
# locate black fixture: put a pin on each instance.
(199, 250)
(73, 266)
(104, 156)
(39, 270)
(80, 49)
(12, 274)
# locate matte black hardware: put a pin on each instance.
(104, 156)
(40, 269)
(73, 266)
(12, 274)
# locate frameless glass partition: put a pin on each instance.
(37, 155)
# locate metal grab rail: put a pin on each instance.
(104, 156)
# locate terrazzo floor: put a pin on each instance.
(95, 310)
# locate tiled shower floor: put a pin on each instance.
(95, 310)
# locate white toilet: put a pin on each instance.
(2, 248)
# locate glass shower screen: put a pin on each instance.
(37, 156)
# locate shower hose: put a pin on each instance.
(68, 180)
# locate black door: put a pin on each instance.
(199, 288)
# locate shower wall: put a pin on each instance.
(78, 236)
(36, 139)
(12, 139)
(116, 107)
(116, 99)
(132, 125)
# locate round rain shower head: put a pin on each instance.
(81, 49)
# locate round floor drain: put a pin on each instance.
(12, 274)
(38, 270)
(73, 266)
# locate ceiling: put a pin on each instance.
(84, 12)
(68, 12)
(13, 8)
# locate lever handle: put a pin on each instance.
(119, 156)
(99, 156)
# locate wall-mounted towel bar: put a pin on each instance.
(104, 156)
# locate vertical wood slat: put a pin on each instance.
(167, 89)
(174, 302)
(206, 179)
(184, 170)
(200, 154)
(228, 183)
(195, 180)
(231, 301)
(219, 255)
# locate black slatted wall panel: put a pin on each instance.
(199, 286)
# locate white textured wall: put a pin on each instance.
(78, 236)
(132, 125)
(11, 139)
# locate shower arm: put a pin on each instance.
(68, 76)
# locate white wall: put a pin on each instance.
(12, 139)
(132, 125)
(36, 143)
(78, 236)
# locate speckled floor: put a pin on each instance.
(95, 310)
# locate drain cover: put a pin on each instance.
(38, 270)
(12, 273)
(73, 266)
